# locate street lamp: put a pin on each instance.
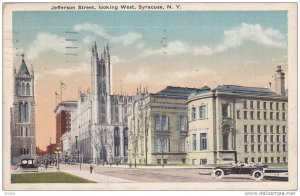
(57, 152)
(77, 150)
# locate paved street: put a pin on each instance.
(149, 174)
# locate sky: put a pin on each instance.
(153, 48)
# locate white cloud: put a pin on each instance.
(232, 38)
(142, 75)
(45, 42)
(140, 46)
(125, 39)
(196, 71)
(69, 71)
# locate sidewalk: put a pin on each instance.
(97, 177)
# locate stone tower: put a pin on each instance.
(279, 81)
(100, 82)
(23, 115)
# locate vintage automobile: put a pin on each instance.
(256, 171)
(29, 165)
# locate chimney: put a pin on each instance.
(279, 81)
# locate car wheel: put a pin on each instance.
(257, 175)
(218, 174)
(19, 169)
(40, 168)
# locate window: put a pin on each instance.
(203, 161)
(277, 115)
(258, 105)
(194, 147)
(258, 129)
(258, 138)
(277, 106)
(259, 148)
(258, 115)
(271, 138)
(271, 105)
(252, 148)
(245, 115)
(259, 159)
(246, 148)
(283, 106)
(203, 141)
(202, 112)
(117, 141)
(23, 89)
(284, 138)
(272, 159)
(283, 129)
(23, 112)
(265, 129)
(266, 159)
(157, 123)
(182, 144)
(251, 104)
(162, 145)
(278, 147)
(265, 105)
(252, 159)
(272, 147)
(278, 129)
(271, 129)
(252, 128)
(283, 116)
(245, 104)
(193, 114)
(271, 115)
(278, 138)
(265, 115)
(265, 138)
(225, 110)
(284, 159)
(245, 138)
(183, 123)
(252, 115)
(246, 160)
(284, 147)
(252, 138)
(125, 143)
(245, 129)
(238, 114)
(165, 123)
(27, 89)
(266, 148)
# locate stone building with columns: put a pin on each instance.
(23, 115)
(237, 123)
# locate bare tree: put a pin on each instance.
(163, 139)
(99, 140)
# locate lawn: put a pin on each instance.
(47, 177)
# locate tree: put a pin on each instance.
(99, 141)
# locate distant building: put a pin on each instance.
(23, 115)
(63, 122)
(239, 123)
(51, 148)
(157, 125)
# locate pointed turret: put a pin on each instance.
(23, 68)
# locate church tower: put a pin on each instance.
(100, 82)
(23, 115)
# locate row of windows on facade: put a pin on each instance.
(266, 160)
(24, 151)
(258, 115)
(271, 105)
(271, 149)
(202, 111)
(265, 127)
(259, 138)
(162, 123)
(23, 112)
(23, 88)
(24, 132)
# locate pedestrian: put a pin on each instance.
(46, 164)
(91, 168)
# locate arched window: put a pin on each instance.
(23, 112)
(117, 141)
(125, 139)
(103, 70)
(19, 90)
(23, 89)
(27, 151)
(26, 132)
(27, 89)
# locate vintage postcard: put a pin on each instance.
(150, 96)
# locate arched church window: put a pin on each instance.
(19, 88)
(125, 139)
(103, 70)
(23, 112)
(117, 141)
(23, 89)
(27, 89)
